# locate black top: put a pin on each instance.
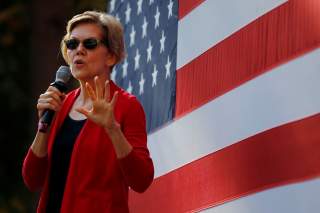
(61, 155)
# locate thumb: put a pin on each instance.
(83, 111)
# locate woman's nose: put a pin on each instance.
(80, 49)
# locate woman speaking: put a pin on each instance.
(96, 147)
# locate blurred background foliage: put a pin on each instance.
(30, 33)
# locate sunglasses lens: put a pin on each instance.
(72, 44)
(90, 43)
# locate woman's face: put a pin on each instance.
(87, 62)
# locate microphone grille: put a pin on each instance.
(63, 74)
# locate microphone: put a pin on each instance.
(63, 75)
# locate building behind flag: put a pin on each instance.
(231, 93)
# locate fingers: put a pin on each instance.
(114, 99)
(107, 91)
(99, 91)
(50, 97)
(91, 92)
(54, 90)
(107, 94)
(54, 93)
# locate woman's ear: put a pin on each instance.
(111, 60)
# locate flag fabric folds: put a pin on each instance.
(230, 90)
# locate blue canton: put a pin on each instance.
(149, 70)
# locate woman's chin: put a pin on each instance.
(78, 73)
(82, 76)
(78, 76)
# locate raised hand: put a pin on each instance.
(102, 111)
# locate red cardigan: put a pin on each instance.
(97, 181)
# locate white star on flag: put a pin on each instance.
(154, 75)
(170, 5)
(136, 60)
(117, 17)
(128, 12)
(149, 51)
(113, 74)
(125, 68)
(130, 88)
(132, 36)
(141, 84)
(167, 66)
(144, 27)
(156, 19)
(139, 5)
(112, 4)
(162, 40)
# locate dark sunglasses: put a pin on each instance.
(89, 43)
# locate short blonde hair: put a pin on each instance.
(111, 28)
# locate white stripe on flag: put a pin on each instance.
(287, 93)
(294, 198)
(213, 21)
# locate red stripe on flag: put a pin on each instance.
(186, 7)
(282, 34)
(279, 156)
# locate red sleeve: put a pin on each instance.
(137, 167)
(34, 170)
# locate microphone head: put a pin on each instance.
(63, 74)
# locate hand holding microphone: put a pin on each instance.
(51, 100)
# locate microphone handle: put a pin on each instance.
(48, 114)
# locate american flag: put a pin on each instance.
(231, 93)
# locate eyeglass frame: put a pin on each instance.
(98, 41)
